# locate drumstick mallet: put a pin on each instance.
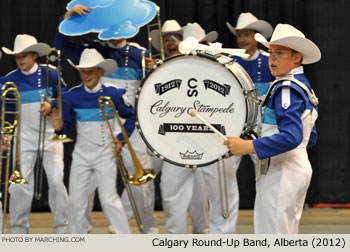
(194, 113)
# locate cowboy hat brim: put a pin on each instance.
(108, 65)
(310, 51)
(155, 37)
(40, 48)
(259, 26)
(210, 37)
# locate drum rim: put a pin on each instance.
(149, 146)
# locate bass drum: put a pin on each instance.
(218, 88)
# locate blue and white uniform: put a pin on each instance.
(258, 69)
(31, 85)
(288, 128)
(128, 76)
(93, 155)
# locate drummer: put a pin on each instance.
(288, 129)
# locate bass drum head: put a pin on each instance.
(168, 94)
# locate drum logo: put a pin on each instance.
(221, 89)
(191, 155)
(165, 87)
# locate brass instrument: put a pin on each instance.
(10, 119)
(141, 175)
(159, 25)
(61, 138)
(52, 55)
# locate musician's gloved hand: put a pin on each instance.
(45, 108)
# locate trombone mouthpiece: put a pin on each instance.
(193, 113)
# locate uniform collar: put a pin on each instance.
(254, 57)
(31, 71)
(298, 70)
(121, 45)
(95, 90)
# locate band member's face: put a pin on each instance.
(246, 40)
(171, 44)
(91, 76)
(25, 61)
(282, 60)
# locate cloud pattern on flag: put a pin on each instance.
(112, 19)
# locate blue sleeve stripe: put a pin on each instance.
(132, 74)
(92, 115)
(33, 95)
(269, 116)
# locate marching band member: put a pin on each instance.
(128, 76)
(93, 155)
(198, 206)
(30, 78)
(257, 64)
(288, 128)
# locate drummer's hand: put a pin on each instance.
(118, 146)
(45, 108)
(77, 9)
(238, 146)
(150, 63)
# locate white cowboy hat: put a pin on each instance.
(196, 31)
(169, 26)
(92, 58)
(249, 21)
(288, 36)
(27, 43)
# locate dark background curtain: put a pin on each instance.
(325, 22)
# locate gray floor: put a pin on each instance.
(314, 221)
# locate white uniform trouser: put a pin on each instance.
(199, 205)
(177, 189)
(280, 194)
(144, 195)
(101, 165)
(22, 195)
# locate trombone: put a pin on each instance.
(52, 55)
(159, 25)
(141, 175)
(10, 119)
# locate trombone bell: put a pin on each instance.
(143, 177)
(16, 178)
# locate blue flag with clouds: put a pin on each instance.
(112, 19)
